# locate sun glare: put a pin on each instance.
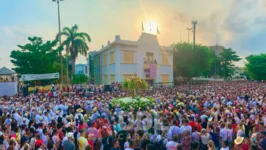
(151, 27)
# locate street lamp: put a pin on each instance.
(188, 30)
(194, 23)
(59, 27)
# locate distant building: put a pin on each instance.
(217, 49)
(7, 75)
(122, 59)
(239, 74)
(94, 66)
(81, 69)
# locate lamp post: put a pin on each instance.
(188, 30)
(194, 23)
(60, 42)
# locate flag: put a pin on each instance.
(158, 32)
(153, 70)
(142, 27)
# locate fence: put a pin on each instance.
(160, 84)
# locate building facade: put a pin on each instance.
(7, 75)
(122, 59)
(81, 69)
(239, 74)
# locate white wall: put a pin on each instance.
(146, 43)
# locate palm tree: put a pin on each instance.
(76, 43)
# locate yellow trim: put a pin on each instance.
(165, 59)
(165, 78)
(150, 57)
(112, 78)
(165, 65)
(126, 76)
(112, 57)
(105, 78)
(127, 63)
(128, 57)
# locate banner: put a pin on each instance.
(153, 70)
(8, 88)
(30, 77)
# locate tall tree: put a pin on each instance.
(189, 62)
(36, 57)
(228, 57)
(256, 66)
(76, 43)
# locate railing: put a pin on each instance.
(161, 84)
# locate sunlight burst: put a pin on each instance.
(151, 27)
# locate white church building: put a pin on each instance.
(120, 59)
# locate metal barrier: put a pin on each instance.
(160, 84)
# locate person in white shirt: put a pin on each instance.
(174, 130)
(205, 137)
(185, 127)
(223, 132)
(172, 145)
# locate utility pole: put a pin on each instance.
(60, 42)
(216, 50)
(188, 30)
(194, 23)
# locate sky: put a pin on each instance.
(236, 24)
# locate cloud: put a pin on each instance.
(181, 17)
(11, 36)
(239, 24)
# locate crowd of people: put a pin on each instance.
(207, 116)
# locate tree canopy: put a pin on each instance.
(79, 78)
(227, 59)
(256, 66)
(75, 43)
(36, 57)
(191, 62)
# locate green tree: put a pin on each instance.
(79, 79)
(189, 62)
(227, 58)
(36, 57)
(75, 43)
(256, 66)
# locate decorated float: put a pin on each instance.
(135, 87)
